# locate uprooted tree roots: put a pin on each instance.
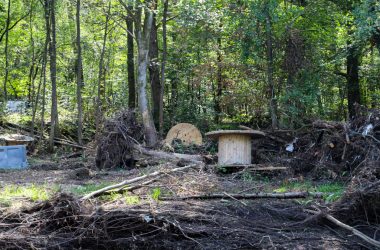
(116, 142)
(65, 223)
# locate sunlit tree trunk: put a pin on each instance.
(143, 32)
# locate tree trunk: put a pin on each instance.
(154, 71)
(44, 63)
(273, 103)
(5, 94)
(54, 127)
(219, 80)
(33, 68)
(163, 64)
(131, 64)
(353, 85)
(101, 83)
(143, 40)
(79, 76)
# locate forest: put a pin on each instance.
(178, 124)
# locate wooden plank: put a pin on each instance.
(251, 132)
(253, 167)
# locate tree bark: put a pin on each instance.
(101, 80)
(163, 64)
(44, 63)
(219, 80)
(154, 70)
(272, 103)
(131, 63)
(54, 127)
(79, 76)
(143, 40)
(5, 93)
(353, 84)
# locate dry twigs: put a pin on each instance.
(65, 223)
(289, 195)
(127, 182)
(356, 232)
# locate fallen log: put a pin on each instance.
(354, 231)
(170, 156)
(127, 182)
(288, 195)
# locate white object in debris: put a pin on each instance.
(367, 129)
(290, 146)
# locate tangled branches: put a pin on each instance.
(63, 223)
(116, 142)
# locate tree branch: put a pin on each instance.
(12, 26)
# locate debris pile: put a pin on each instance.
(64, 223)
(349, 152)
(116, 142)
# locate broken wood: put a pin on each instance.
(288, 195)
(127, 182)
(253, 167)
(131, 188)
(170, 156)
(354, 231)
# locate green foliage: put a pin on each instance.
(205, 38)
(331, 191)
(132, 199)
(156, 193)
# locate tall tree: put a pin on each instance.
(154, 68)
(269, 43)
(101, 76)
(219, 78)
(46, 6)
(54, 126)
(5, 94)
(163, 64)
(79, 75)
(130, 61)
(143, 30)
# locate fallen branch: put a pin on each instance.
(356, 232)
(60, 141)
(127, 182)
(289, 195)
(171, 156)
(131, 188)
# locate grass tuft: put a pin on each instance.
(33, 192)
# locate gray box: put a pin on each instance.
(13, 157)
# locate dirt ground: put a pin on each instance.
(199, 224)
